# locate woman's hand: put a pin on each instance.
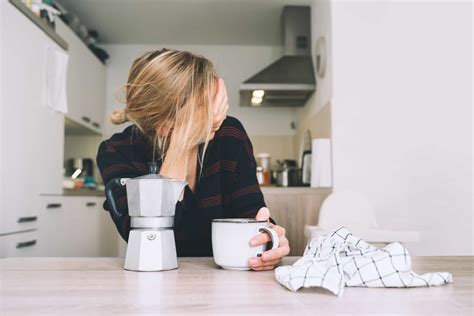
(175, 164)
(269, 258)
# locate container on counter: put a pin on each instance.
(287, 174)
(260, 175)
(264, 162)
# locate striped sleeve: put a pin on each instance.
(112, 164)
(246, 196)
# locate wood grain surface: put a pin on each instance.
(293, 208)
(99, 286)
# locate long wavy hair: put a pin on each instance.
(166, 90)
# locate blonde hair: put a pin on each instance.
(167, 90)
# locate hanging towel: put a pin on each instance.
(56, 79)
(341, 259)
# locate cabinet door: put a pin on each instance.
(16, 219)
(86, 82)
(108, 235)
(53, 226)
(293, 208)
(75, 227)
(32, 134)
(98, 81)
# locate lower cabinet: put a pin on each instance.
(23, 244)
(75, 226)
(294, 208)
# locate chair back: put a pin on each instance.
(346, 208)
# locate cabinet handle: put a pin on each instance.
(86, 119)
(96, 125)
(26, 244)
(53, 205)
(27, 219)
(90, 204)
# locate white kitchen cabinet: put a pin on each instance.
(86, 82)
(75, 226)
(18, 219)
(32, 135)
(19, 245)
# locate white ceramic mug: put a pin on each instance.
(231, 241)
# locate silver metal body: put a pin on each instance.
(151, 203)
(288, 177)
(306, 168)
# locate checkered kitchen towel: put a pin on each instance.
(341, 259)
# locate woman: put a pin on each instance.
(178, 108)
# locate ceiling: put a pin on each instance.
(205, 22)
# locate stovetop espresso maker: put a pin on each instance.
(151, 205)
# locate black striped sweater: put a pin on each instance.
(227, 187)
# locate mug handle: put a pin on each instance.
(272, 233)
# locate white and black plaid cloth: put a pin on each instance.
(341, 259)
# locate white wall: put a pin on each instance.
(402, 116)
(234, 64)
(472, 127)
(320, 27)
(2, 29)
(312, 117)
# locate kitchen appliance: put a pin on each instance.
(290, 80)
(151, 205)
(288, 175)
(306, 168)
(306, 159)
(79, 167)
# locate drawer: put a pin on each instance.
(19, 222)
(27, 214)
(19, 245)
(19, 216)
(73, 226)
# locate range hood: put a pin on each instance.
(290, 80)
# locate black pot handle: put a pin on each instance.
(109, 188)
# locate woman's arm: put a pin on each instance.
(247, 198)
(112, 164)
(248, 201)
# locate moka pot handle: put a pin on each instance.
(109, 188)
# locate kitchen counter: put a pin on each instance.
(294, 190)
(79, 192)
(266, 190)
(90, 286)
(83, 192)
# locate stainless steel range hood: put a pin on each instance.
(290, 80)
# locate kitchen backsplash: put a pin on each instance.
(279, 147)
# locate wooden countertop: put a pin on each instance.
(294, 190)
(91, 286)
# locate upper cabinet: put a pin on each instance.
(32, 134)
(86, 82)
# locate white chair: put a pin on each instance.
(354, 211)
